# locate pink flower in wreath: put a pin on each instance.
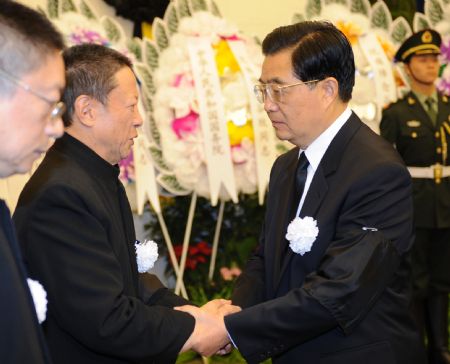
(185, 125)
(445, 49)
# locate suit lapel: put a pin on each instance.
(316, 192)
(10, 235)
(287, 183)
(319, 185)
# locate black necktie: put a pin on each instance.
(301, 172)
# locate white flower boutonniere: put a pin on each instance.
(39, 298)
(302, 233)
(147, 253)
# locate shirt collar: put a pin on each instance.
(318, 147)
(421, 97)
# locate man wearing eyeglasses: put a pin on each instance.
(76, 228)
(329, 281)
(31, 82)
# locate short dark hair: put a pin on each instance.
(320, 50)
(26, 39)
(90, 70)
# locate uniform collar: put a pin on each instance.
(422, 97)
(86, 157)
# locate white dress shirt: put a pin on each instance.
(317, 149)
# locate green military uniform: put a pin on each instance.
(421, 134)
(422, 143)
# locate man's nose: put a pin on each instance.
(269, 105)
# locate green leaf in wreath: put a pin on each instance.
(214, 9)
(434, 11)
(112, 29)
(342, 2)
(171, 18)
(381, 16)
(160, 34)
(171, 184)
(151, 54)
(420, 22)
(313, 8)
(400, 30)
(183, 9)
(360, 7)
(67, 6)
(52, 9)
(158, 160)
(134, 47)
(86, 10)
(146, 100)
(198, 5)
(154, 131)
(41, 11)
(297, 18)
(281, 148)
(145, 77)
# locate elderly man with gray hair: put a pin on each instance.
(31, 83)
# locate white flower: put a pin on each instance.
(39, 298)
(301, 234)
(147, 253)
(176, 97)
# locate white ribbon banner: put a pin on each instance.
(146, 187)
(265, 148)
(212, 119)
(384, 78)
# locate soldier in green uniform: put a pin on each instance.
(419, 127)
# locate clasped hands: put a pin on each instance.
(210, 335)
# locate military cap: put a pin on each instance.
(426, 41)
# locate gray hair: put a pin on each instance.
(26, 39)
(90, 70)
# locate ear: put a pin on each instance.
(330, 89)
(86, 109)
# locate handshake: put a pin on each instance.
(210, 335)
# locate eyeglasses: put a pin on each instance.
(274, 91)
(58, 107)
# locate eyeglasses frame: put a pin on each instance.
(58, 107)
(263, 89)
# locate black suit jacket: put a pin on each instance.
(406, 124)
(21, 339)
(346, 301)
(78, 239)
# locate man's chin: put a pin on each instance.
(23, 168)
(282, 134)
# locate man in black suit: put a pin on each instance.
(76, 228)
(419, 126)
(332, 288)
(31, 83)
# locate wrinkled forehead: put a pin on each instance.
(277, 67)
(125, 83)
